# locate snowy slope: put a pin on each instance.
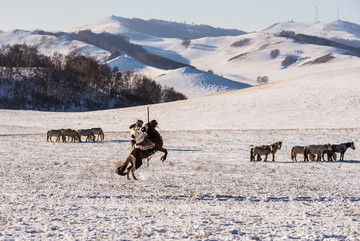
(48, 45)
(196, 83)
(109, 24)
(245, 57)
(326, 100)
(339, 31)
(125, 62)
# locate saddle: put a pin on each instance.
(146, 145)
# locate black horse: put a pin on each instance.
(341, 148)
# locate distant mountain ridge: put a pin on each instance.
(136, 27)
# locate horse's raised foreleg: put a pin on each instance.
(163, 158)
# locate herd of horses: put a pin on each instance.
(310, 152)
(146, 140)
(75, 136)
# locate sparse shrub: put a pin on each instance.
(274, 53)
(262, 80)
(289, 60)
(241, 43)
(186, 42)
(321, 60)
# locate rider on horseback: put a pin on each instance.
(145, 137)
(134, 129)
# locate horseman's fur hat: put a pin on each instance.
(139, 122)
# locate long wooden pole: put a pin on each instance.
(148, 119)
(148, 114)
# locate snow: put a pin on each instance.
(48, 45)
(111, 24)
(195, 83)
(125, 63)
(207, 188)
(245, 63)
(339, 31)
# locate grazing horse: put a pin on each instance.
(74, 135)
(317, 150)
(296, 150)
(134, 160)
(57, 133)
(341, 148)
(264, 150)
(88, 133)
(71, 134)
(99, 132)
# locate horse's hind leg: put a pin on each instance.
(131, 168)
(132, 173)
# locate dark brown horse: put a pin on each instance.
(134, 160)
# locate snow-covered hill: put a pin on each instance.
(327, 100)
(48, 45)
(140, 29)
(338, 31)
(243, 58)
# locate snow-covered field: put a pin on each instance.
(207, 188)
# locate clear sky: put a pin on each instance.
(247, 15)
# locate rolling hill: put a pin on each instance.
(221, 63)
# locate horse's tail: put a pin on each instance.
(120, 167)
(252, 158)
(292, 154)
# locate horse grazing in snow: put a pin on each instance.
(134, 160)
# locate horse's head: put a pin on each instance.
(153, 124)
(352, 146)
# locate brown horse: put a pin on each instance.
(134, 160)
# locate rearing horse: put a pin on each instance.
(134, 160)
